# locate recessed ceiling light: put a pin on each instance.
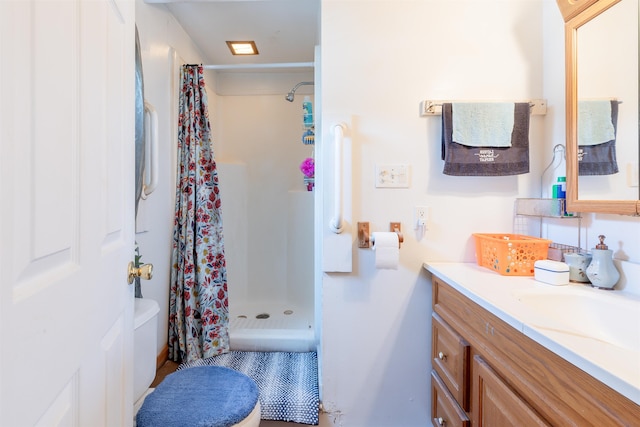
(243, 48)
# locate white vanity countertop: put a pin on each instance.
(617, 366)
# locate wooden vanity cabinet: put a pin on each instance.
(451, 360)
(496, 403)
(487, 374)
(445, 409)
(452, 384)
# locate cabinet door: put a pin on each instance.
(496, 404)
(444, 408)
(451, 354)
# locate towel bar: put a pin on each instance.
(434, 108)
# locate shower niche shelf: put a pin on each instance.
(543, 208)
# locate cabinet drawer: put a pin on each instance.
(497, 404)
(451, 360)
(444, 409)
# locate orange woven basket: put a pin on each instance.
(510, 254)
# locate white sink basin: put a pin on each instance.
(605, 316)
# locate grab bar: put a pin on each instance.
(151, 154)
(336, 224)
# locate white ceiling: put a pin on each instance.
(284, 30)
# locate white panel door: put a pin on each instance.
(67, 215)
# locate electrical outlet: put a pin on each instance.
(421, 215)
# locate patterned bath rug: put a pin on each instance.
(287, 381)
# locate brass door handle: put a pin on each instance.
(145, 271)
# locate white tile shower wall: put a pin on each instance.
(263, 133)
(298, 213)
(233, 192)
(300, 248)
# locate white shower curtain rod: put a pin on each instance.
(256, 66)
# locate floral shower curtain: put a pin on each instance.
(198, 304)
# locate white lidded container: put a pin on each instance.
(551, 272)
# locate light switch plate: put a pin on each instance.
(392, 176)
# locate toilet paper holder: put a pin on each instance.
(365, 239)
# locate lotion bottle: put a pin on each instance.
(602, 273)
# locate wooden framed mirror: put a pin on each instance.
(601, 54)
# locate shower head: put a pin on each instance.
(292, 92)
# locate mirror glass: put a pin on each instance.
(607, 69)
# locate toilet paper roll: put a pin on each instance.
(387, 250)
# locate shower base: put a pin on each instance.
(271, 327)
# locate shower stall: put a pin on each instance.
(268, 222)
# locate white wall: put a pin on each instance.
(159, 32)
(598, 80)
(379, 60)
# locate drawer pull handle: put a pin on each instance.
(442, 356)
(441, 421)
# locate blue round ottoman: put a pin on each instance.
(202, 396)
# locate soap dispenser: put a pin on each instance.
(602, 273)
